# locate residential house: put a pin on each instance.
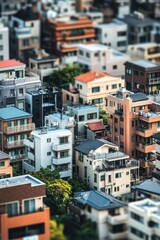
(97, 57)
(14, 82)
(22, 213)
(15, 126)
(133, 120)
(4, 41)
(106, 212)
(144, 219)
(49, 147)
(104, 168)
(113, 34)
(5, 168)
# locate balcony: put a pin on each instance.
(146, 148)
(149, 117)
(154, 81)
(61, 147)
(117, 219)
(117, 236)
(145, 131)
(66, 173)
(59, 161)
(29, 142)
(20, 128)
(14, 144)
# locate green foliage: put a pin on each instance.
(17, 169)
(56, 231)
(104, 115)
(87, 231)
(62, 77)
(78, 185)
(46, 175)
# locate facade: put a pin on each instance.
(142, 76)
(133, 119)
(144, 219)
(107, 213)
(156, 173)
(5, 168)
(4, 41)
(114, 35)
(24, 34)
(15, 126)
(14, 82)
(95, 17)
(97, 57)
(23, 214)
(41, 103)
(67, 34)
(49, 147)
(84, 5)
(104, 168)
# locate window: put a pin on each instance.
(1, 36)
(118, 175)
(109, 178)
(96, 54)
(121, 131)
(29, 206)
(1, 47)
(48, 140)
(136, 72)
(127, 186)
(107, 87)
(95, 89)
(2, 164)
(89, 209)
(12, 209)
(102, 189)
(97, 101)
(20, 90)
(63, 140)
(116, 120)
(1, 57)
(121, 33)
(25, 42)
(80, 156)
(137, 217)
(102, 178)
(64, 154)
(127, 173)
(81, 118)
(91, 116)
(85, 172)
(137, 232)
(114, 86)
(95, 177)
(81, 52)
(114, 66)
(12, 92)
(48, 153)
(121, 44)
(87, 55)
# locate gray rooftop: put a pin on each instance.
(148, 186)
(8, 113)
(133, 20)
(156, 136)
(4, 156)
(98, 200)
(144, 63)
(136, 97)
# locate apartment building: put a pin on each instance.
(67, 34)
(97, 57)
(156, 172)
(23, 215)
(147, 51)
(5, 168)
(133, 119)
(104, 168)
(142, 76)
(113, 34)
(95, 16)
(24, 34)
(41, 103)
(4, 41)
(15, 126)
(144, 219)
(94, 86)
(14, 82)
(107, 213)
(49, 147)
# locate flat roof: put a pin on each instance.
(8, 113)
(114, 23)
(144, 63)
(136, 97)
(10, 63)
(93, 47)
(80, 107)
(19, 180)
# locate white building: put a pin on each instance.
(113, 34)
(95, 17)
(105, 168)
(4, 42)
(97, 57)
(49, 147)
(144, 220)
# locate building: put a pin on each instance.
(24, 34)
(66, 35)
(142, 76)
(84, 5)
(133, 120)
(104, 168)
(97, 57)
(49, 147)
(144, 219)
(41, 103)
(107, 213)
(43, 64)
(5, 168)
(93, 88)
(15, 126)
(113, 34)
(4, 41)
(147, 51)
(95, 17)
(156, 172)
(14, 82)
(23, 214)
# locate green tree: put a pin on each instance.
(56, 231)
(61, 78)
(46, 175)
(78, 185)
(104, 115)
(87, 231)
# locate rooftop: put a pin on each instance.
(10, 63)
(95, 126)
(80, 107)
(98, 200)
(27, 14)
(138, 97)
(143, 63)
(8, 113)
(91, 76)
(93, 47)
(137, 19)
(148, 186)
(19, 180)
(4, 156)
(114, 23)
(156, 136)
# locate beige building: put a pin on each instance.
(5, 168)
(83, 5)
(93, 87)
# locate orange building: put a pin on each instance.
(22, 213)
(132, 123)
(5, 168)
(67, 35)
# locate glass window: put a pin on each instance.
(48, 140)
(81, 118)
(95, 89)
(63, 140)
(12, 209)
(102, 178)
(2, 164)
(91, 116)
(64, 154)
(29, 206)
(95, 177)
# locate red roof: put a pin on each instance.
(10, 63)
(91, 76)
(95, 126)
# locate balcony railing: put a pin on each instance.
(117, 219)
(20, 128)
(154, 80)
(14, 144)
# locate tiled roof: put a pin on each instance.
(4, 155)
(95, 126)
(91, 76)
(10, 63)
